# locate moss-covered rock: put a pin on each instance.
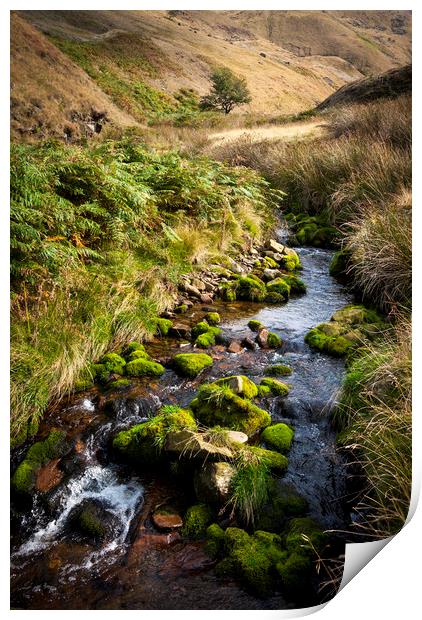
(274, 298)
(138, 354)
(191, 364)
(280, 286)
(279, 436)
(294, 572)
(239, 384)
(119, 385)
(273, 340)
(283, 504)
(200, 328)
(308, 528)
(255, 326)
(196, 520)
(227, 292)
(141, 367)
(219, 405)
(278, 370)
(250, 288)
(182, 309)
(275, 461)
(264, 391)
(215, 540)
(278, 388)
(142, 444)
(213, 318)
(340, 264)
(356, 314)
(92, 520)
(297, 286)
(207, 339)
(40, 453)
(163, 326)
(113, 363)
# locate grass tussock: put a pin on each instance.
(99, 238)
(375, 412)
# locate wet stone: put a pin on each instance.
(48, 477)
(165, 518)
(248, 343)
(179, 331)
(262, 338)
(234, 347)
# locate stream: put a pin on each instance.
(139, 567)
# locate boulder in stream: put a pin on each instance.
(212, 482)
(93, 519)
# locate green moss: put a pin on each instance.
(83, 384)
(297, 285)
(274, 341)
(143, 367)
(191, 364)
(270, 263)
(200, 328)
(142, 443)
(357, 314)
(215, 540)
(339, 263)
(90, 524)
(301, 529)
(196, 520)
(294, 572)
(278, 388)
(289, 263)
(250, 288)
(264, 391)
(207, 339)
(138, 354)
(113, 363)
(119, 384)
(133, 346)
(38, 455)
(212, 318)
(227, 292)
(182, 309)
(283, 504)
(280, 286)
(240, 385)
(255, 326)
(273, 460)
(279, 436)
(339, 346)
(219, 405)
(163, 326)
(280, 370)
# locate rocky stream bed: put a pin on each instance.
(145, 563)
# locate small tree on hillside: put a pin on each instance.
(227, 91)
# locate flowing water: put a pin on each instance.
(136, 567)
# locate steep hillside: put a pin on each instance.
(141, 60)
(51, 95)
(392, 83)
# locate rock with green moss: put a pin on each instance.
(182, 309)
(297, 286)
(255, 326)
(264, 391)
(215, 540)
(39, 454)
(196, 521)
(141, 367)
(278, 388)
(278, 370)
(92, 520)
(295, 572)
(213, 318)
(219, 405)
(284, 503)
(340, 264)
(113, 363)
(133, 346)
(200, 328)
(273, 340)
(273, 460)
(227, 292)
(239, 384)
(119, 385)
(163, 327)
(207, 339)
(250, 288)
(305, 536)
(278, 436)
(280, 286)
(191, 364)
(138, 354)
(143, 443)
(356, 314)
(290, 260)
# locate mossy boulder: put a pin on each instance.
(219, 405)
(284, 503)
(295, 573)
(92, 520)
(227, 292)
(200, 328)
(113, 363)
(191, 364)
(196, 520)
(119, 385)
(280, 286)
(239, 384)
(356, 314)
(278, 436)
(142, 367)
(297, 286)
(182, 309)
(213, 318)
(275, 461)
(142, 444)
(40, 453)
(301, 529)
(163, 327)
(274, 298)
(215, 540)
(278, 388)
(207, 339)
(133, 346)
(250, 288)
(340, 264)
(264, 391)
(255, 326)
(273, 340)
(278, 370)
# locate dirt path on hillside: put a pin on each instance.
(291, 131)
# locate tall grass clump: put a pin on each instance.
(99, 238)
(249, 487)
(375, 415)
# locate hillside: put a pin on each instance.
(140, 60)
